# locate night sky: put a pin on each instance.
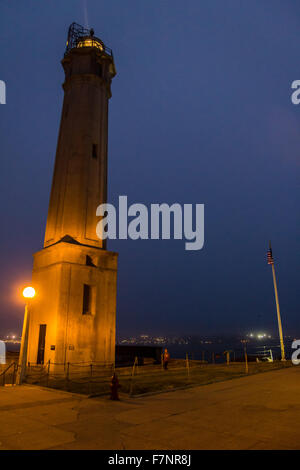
(200, 113)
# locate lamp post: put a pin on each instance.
(271, 262)
(28, 293)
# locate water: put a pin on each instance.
(204, 350)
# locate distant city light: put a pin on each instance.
(259, 335)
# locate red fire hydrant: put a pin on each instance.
(114, 386)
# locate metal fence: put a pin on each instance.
(81, 377)
(8, 374)
(94, 378)
(134, 379)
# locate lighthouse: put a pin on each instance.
(73, 316)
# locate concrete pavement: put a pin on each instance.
(256, 412)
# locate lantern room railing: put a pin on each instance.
(78, 36)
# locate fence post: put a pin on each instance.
(187, 365)
(213, 357)
(67, 376)
(41, 370)
(246, 362)
(48, 373)
(132, 375)
(227, 353)
(14, 375)
(17, 370)
(90, 381)
(203, 356)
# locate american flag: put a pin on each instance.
(270, 256)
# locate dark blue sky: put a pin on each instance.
(200, 113)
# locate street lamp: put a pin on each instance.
(271, 262)
(28, 293)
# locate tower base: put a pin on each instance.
(73, 316)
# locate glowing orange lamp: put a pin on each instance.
(28, 293)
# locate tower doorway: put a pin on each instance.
(41, 345)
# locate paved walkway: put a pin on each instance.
(256, 412)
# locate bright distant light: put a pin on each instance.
(259, 335)
(28, 292)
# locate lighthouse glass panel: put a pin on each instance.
(89, 42)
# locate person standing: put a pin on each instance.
(166, 359)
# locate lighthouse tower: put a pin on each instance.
(72, 318)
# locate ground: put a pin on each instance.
(257, 412)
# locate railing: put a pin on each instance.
(80, 377)
(8, 375)
(78, 35)
(94, 378)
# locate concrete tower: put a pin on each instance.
(72, 318)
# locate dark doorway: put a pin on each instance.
(41, 346)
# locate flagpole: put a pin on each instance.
(278, 309)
